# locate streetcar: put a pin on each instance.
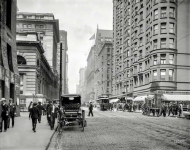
(102, 103)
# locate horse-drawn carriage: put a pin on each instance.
(70, 112)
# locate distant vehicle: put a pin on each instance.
(102, 103)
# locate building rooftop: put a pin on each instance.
(105, 33)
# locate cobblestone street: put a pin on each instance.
(123, 130)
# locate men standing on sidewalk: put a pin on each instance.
(53, 112)
(34, 114)
(40, 108)
(12, 111)
(48, 109)
(90, 109)
(4, 114)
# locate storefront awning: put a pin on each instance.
(167, 97)
(139, 98)
(114, 100)
(150, 97)
(129, 98)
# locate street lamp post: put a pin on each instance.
(60, 88)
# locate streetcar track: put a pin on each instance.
(179, 136)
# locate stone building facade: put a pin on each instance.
(47, 29)
(9, 76)
(37, 80)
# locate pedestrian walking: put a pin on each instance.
(90, 109)
(40, 108)
(12, 112)
(170, 110)
(180, 109)
(4, 114)
(48, 109)
(34, 114)
(53, 114)
(163, 110)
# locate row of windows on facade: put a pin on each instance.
(147, 77)
(35, 26)
(35, 17)
(164, 28)
(164, 43)
(163, 14)
(128, 12)
(155, 61)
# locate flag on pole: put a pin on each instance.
(93, 37)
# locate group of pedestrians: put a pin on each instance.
(7, 114)
(36, 111)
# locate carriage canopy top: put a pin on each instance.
(70, 99)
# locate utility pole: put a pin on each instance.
(60, 88)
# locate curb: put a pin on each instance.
(50, 139)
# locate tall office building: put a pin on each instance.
(151, 46)
(9, 76)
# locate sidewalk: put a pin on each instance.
(21, 137)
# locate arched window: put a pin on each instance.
(21, 60)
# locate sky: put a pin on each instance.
(80, 19)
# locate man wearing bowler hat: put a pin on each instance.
(4, 113)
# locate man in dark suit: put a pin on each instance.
(48, 109)
(90, 109)
(53, 113)
(12, 112)
(34, 114)
(40, 108)
(4, 113)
